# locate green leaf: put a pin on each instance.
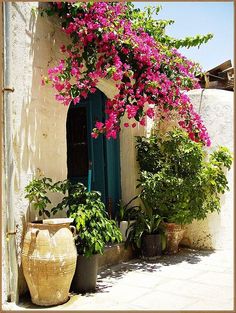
(47, 213)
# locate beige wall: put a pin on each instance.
(38, 122)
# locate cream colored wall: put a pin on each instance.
(216, 109)
(38, 121)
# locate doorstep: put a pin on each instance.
(115, 254)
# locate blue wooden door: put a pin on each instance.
(82, 149)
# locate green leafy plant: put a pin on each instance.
(94, 228)
(127, 212)
(147, 221)
(74, 194)
(176, 179)
(36, 193)
(147, 19)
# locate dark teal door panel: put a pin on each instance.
(113, 172)
(104, 154)
(97, 153)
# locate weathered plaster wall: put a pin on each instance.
(38, 121)
(129, 165)
(216, 109)
(5, 262)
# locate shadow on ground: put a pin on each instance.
(107, 276)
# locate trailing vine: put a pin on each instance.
(115, 41)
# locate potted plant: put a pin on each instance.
(178, 180)
(147, 232)
(37, 194)
(94, 231)
(126, 216)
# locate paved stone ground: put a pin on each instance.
(189, 280)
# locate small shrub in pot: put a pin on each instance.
(177, 178)
(147, 233)
(94, 231)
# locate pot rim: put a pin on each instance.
(47, 226)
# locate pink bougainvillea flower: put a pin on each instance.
(74, 71)
(94, 135)
(142, 122)
(76, 100)
(59, 97)
(108, 46)
(150, 113)
(59, 87)
(99, 125)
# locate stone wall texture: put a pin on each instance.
(38, 127)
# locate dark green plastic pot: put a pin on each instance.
(151, 245)
(85, 278)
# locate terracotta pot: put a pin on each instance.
(49, 260)
(174, 233)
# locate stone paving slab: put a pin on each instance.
(189, 280)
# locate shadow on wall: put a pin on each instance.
(43, 120)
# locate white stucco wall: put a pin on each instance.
(216, 109)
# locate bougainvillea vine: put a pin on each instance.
(151, 78)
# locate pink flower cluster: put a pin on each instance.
(150, 81)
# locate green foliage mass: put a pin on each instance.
(146, 222)
(94, 228)
(177, 180)
(147, 19)
(36, 193)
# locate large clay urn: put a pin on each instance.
(174, 234)
(49, 260)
